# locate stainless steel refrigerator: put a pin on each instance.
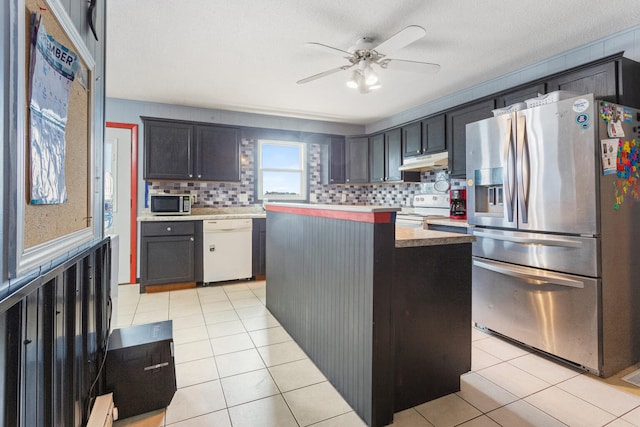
(556, 263)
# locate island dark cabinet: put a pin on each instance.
(259, 244)
(187, 151)
(457, 121)
(357, 160)
(169, 253)
(218, 153)
(424, 137)
(168, 150)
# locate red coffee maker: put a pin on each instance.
(458, 204)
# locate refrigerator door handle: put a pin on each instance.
(522, 171)
(507, 171)
(529, 275)
(565, 243)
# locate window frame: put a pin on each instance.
(304, 171)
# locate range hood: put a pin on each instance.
(429, 162)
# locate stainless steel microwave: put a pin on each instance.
(170, 204)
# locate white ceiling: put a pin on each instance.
(245, 55)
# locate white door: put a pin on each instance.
(117, 165)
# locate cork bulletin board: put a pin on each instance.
(45, 232)
(46, 222)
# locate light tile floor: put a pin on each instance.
(236, 366)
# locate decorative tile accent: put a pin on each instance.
(233, 194)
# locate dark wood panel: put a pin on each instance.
(337, 304)
(432, 314)
(52, 341)
(258, 247)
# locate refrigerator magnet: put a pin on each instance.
(609, 154)
(583, 121)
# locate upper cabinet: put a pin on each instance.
(376, 158)
(218, 153)
(332, 158)
(457, 121)
(424, 137)
(385, 154)
(393, 155)
(185, 151)
(336, 160)
(357, 160)
(168, 150)
(599, 80)
(520, 95)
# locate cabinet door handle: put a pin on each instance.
(418, 151)
(199, 176)
(190, 175)
(191, 238)
(168, 228)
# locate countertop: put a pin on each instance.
(414, 237)
(200, 214)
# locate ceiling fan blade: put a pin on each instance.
(324, 73)
(329, 49)
(412, 66)
(401, 39)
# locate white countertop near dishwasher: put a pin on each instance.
(200, 214)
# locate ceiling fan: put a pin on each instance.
(366, 53)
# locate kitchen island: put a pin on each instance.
(384, 312)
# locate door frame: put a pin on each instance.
(133, 241)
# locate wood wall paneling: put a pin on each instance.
(337, 305)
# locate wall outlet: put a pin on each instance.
(243, 198)
(343, 197)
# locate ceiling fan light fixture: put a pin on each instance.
(370, 76)
(354, 81)
(364, 78)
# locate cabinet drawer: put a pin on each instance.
(164, 228)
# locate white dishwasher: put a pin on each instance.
(227, 249)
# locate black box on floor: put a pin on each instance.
(140, 370)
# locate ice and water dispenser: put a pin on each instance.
(489, 191)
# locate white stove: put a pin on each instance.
(431, 204)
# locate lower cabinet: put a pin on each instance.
(259, 244)
(168, 253)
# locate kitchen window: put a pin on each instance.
(282, 170)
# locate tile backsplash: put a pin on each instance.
(233, 194)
